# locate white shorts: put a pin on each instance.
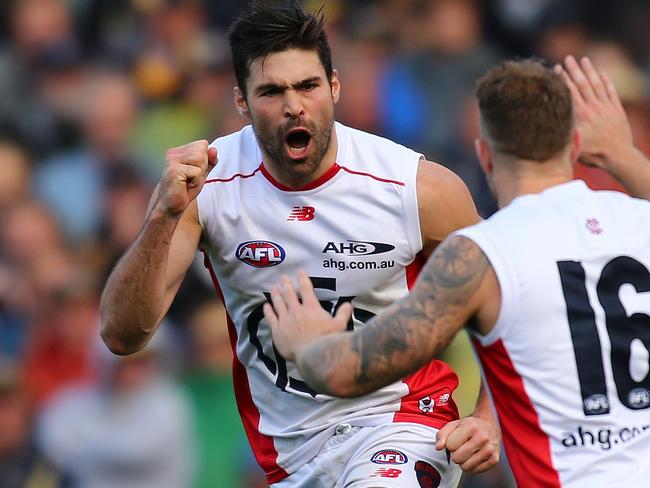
(399, 455)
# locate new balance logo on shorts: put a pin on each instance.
(386, 473)
(301, 214)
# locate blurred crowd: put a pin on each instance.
(92, 93)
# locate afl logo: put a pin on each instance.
(260, 254)
(596, 404)
(389, 456)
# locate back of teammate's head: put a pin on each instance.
(265, 29)
(526, 110)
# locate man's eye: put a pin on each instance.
(270, 92)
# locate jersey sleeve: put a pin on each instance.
(410, 203)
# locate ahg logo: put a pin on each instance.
(358, 248)
(260, 254)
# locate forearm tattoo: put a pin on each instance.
(406, 335)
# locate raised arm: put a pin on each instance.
(144, 282)
(606, 137)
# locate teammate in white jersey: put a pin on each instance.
(297, 190)
(555, 288)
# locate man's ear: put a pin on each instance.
(336, 86)
(240, 103)
(484, 155)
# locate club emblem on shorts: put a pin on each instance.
(428, 476)
(426, 404)
(389, 456)
(260, 254)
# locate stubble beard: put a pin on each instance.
(274, 147)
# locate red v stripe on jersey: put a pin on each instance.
(324, 178)
(527, 446)
(262, 445)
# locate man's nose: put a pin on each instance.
(293, 107)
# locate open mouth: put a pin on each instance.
(297, 141)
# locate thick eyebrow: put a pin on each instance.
(274, 86)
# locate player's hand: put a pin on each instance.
(605, 132)
(295, 324)
(186, 168)
(473, 442)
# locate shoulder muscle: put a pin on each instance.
(444, 203)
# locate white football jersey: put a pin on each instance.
(356, 232)
(567, 361)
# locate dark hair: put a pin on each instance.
(525, 109)
(265, 29)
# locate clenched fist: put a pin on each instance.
(186, 168)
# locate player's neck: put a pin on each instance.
(529, 177)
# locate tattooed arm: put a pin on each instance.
(457, 284)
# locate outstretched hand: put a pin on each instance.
(604, 129)
(473, 442)
(297, 323)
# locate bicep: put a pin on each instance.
(444, 202)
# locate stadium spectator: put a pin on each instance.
(16, 170)
(22, 464)
(130, 430)
(223, 453)
(108, 117)
(59, 352)
(42, 42)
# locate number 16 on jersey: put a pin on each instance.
(626, 333)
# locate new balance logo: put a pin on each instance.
(386, 473)
(301, 214)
